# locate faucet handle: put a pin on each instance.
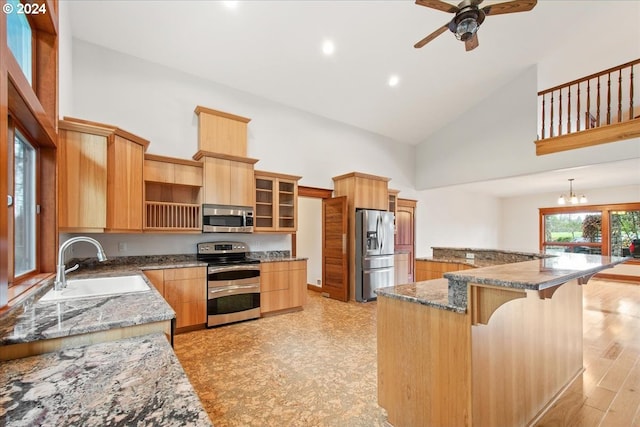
(74, 268)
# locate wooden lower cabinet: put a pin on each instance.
(283, 285)
(428, 270)
(185, 289)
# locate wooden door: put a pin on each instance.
(335, 271)
(405, 234)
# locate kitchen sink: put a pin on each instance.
(94, 287)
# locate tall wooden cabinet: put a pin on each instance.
(362, 191)
(228, 174)
(100, 178)
(276, 207)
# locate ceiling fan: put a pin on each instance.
(468, 17)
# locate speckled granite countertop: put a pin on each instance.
(134, 381)
(531, 275)
(434, 293)
(37, 321)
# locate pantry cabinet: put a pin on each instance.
(100, 178)
(276, 207)
(185, 289)
(283, 285)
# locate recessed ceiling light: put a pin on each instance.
(230, 4)
(394, 80)
(328, 47)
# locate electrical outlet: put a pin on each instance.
(122, 247)
(471, 255)
(319, 282)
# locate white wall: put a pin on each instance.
(495, 139)
(309, 236)
(446, 217)
(519, 228)
(158, 103)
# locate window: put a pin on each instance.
(625, 227)
(597, 229)
(24, 206)
(579, 232)
(19, 39)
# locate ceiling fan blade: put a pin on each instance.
(471, 42)
(510, 7)
(439, 5)
(432, 36)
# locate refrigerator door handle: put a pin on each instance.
(379, 233)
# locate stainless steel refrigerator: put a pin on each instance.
(374, 252)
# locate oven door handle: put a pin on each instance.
(233, 288)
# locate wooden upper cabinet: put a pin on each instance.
(363, 190)
(82, 178)
(172, 190)
(124, 185)
(276, 206)
(221, 132)
(227, 180)
(100, 178)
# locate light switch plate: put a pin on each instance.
(471, 255)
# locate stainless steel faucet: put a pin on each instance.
(61, 278)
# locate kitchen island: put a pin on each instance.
(491, 346)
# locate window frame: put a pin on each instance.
(605, 211)
(13, 279)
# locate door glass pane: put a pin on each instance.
(19, 37)
(24, 207)
(625, 227)
(573, 232)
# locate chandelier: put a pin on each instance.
(572, 199)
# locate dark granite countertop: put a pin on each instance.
(37, 320)
(434, 293)
(134, 381)
(535, 275)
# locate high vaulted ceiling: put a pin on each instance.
(273, 49)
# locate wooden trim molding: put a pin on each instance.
(174, 160)
(314, 192)
(277, 175)
(199, 109)
(201, 153)
(114, 131)
(361, 175)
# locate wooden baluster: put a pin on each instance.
(578, 111)
(587, 125)
(543, 116)
(560, 113)
(620, 95)
(569, 110)
(598, 103)
(631, 95)
(551, 118)
(609, 98)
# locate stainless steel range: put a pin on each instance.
(233, 282)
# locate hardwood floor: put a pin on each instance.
(317, 367)
(607, 394)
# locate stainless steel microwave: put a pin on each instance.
(227, 219)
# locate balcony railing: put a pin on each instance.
(602, 100)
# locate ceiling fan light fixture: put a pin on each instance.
(466, 28)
